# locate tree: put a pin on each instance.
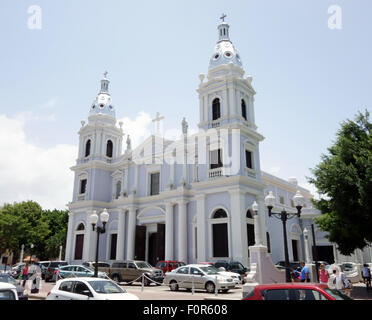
(22, 223)
(58, 221)
(344, 182)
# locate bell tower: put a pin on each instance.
(226, 97)
(100, 144)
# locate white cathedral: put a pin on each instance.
(188, 200)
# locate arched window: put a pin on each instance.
(80, 227)
(87, 148)
(220, 234)
(118, 189)
(109, 148)
(219, 214)
(216, 109)
(244, 110)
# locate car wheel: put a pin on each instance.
(116, 278)
(225, 290)
(210, 287)
(173, 285)
(147, 282)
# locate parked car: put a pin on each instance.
(167, 266)
(200, 277)
(92, 264)
(78, 271)
(50, 273)
(132, 270)
(233, 266)
(238, 279)
(88, 289)
(350, 269)
(17, 269)
(292, 265)
(5, 268)
(43, 267)
(293, 291)
(8, 291)
(21, 292)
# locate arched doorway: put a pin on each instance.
(79, 241)
(220, 238)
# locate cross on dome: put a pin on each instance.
(105, 74)
(223, 17)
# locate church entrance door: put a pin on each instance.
(156, 245)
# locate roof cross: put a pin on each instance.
(223, 17)
(157, 123)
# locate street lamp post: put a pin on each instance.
(93, 219)
(31, 246)
(298, 200)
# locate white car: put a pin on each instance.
(8, 291)
(198, 276)
(88, 289)
(235, 276)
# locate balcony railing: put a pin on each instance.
(215, 173)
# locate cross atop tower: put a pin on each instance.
(105, 74)
(223, 17)
(157, 123)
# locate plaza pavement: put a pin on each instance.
(153, 292)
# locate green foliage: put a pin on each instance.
(344, 182)
(27, 223)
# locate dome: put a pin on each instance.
(224, 52)
(103, 103)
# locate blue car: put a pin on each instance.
(76, 271)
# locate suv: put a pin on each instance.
(92, 264)
(233, 266)
(132, 270)
(50, 273)
(167, 266)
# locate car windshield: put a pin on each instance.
(106, 287)
(347, 267)
(237, 265)
(141, 265)
(338, 295)
(8, 280)
(209, 270)
(90, 268)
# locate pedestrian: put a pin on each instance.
(323, 274)
(366, 275)
(305, 273)
(25, 274)
(345, 284)
(332, 279)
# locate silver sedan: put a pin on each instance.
(198, 277)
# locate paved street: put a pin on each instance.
(153, 292)
(157, 293)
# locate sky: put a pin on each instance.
(308, 78)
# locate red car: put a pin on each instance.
(294, 291)
(168, 266)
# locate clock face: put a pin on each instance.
(102, 105)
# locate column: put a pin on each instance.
(121, 236)
(201, 227)
(238, 227)
(131, 232)
(182, 231)
(70, 233)
(307, 246)
(89, 246)
(169, 231)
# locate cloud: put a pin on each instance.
(138, 129)
(274, 170)
(28, 172)
(50, 104)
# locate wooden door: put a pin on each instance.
(79, 246)
(140, 244)
(160, 242)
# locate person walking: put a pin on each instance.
(332, 281)
(345, 284)
(305, 273)
(25, 274)
(323, 274)
(366, 275)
